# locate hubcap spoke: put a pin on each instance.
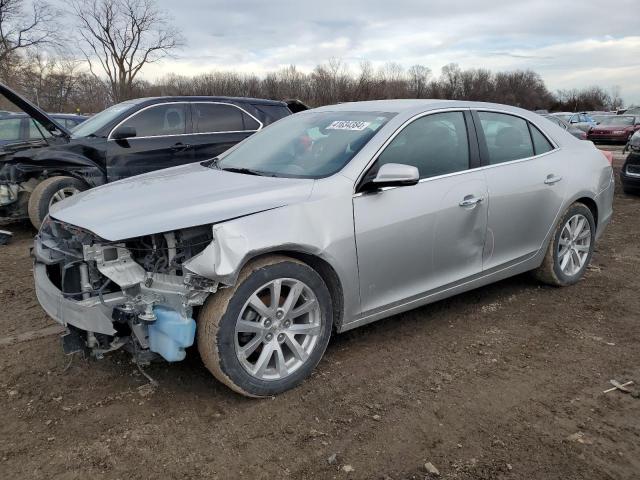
(302, 309)
(264, 358)
(251, 347)
(259, 306)
(295, 347)
(245, 326)
(292, 298)
(304, 329)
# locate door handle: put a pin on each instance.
(552, 179)
(470, 201)
(178, 147)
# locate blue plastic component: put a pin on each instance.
(171, 333)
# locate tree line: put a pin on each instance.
(116, 39)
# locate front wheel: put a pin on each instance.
(267, 333)
(50, 191)
(570, 249)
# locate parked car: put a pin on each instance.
(327, 220)
(575, 131)
(127, 139)
(20, 127)
(630, 173)
(580, 120)
(614, 128)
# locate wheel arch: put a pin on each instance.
(591, 204)
(321, 266)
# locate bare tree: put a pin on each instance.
(21, 29)
(121, 37)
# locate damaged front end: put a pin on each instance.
(133, 294)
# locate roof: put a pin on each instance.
(54, 115)
(254, 101)
(411, 106)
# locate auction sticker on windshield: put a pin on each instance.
(348, 125)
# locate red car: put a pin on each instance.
(614, 128)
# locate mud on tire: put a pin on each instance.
(217, 334)
(551, 272)
(42, 196)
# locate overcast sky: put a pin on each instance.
(571, 43)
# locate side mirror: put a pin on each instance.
(393, 175)
(123, 132)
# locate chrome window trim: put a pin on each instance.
(555, 145)
(185, 134)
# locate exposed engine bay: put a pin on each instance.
(141, 284)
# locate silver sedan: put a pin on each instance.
(325, 221)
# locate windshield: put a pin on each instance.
(306, 145)
(95, 123)
(615, 120)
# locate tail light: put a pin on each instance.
(608, 155)
(583, 135)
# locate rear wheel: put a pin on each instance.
(266, 334)
(570, 249)
(51, 191)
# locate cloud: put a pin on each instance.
(573, 43)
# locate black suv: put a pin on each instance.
(630, 173)
(127, 139)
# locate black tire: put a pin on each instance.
(42, 195)
(217, 323)
(550, 271)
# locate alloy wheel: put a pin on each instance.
(62, 194)
(574, 245)
(278, 329)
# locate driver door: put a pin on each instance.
(161, 141)
(414, 239)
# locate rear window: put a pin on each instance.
(217, 117)
(507, 137)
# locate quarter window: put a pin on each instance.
(160, 120)
(507, 137)
(540, 142)
(435, 144)
(216, 117)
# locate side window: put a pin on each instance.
(507, 137)
(540, 142)
(216, 117)
(160, 120)
(435, 144)
(70, 123)
(10, 129)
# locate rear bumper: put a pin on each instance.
(90, 315)
(608, 138)
(630, 173)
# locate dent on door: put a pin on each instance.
(413, 240)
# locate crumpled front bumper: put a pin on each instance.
(90, 315)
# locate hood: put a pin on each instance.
(176, 198)
(34, 112)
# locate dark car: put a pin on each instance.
(614, 128)
(575, 131)
(127, 139)
(630, 173)
(20, 127)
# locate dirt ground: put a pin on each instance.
(504, 382)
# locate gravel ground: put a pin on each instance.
(504, 382)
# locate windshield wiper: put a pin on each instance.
(246, 171)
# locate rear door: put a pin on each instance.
(161, 141)
(526, 185)
(217, 126)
